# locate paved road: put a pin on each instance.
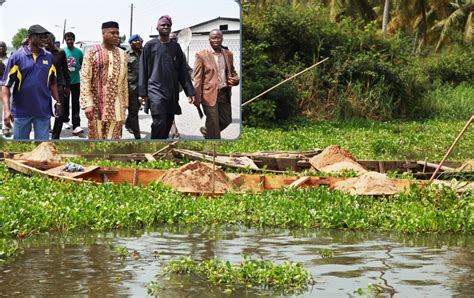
(188, 123)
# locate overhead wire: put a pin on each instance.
(146, 9)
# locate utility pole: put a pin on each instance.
(131, 19)
(64, 31)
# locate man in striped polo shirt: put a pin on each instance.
(32, 74)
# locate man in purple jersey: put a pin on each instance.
(32, 75)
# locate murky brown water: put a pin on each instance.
(404, 265)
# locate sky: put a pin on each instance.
(85, 17)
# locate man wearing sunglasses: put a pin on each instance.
(32, 74)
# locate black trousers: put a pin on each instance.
(58, 121)
(161, 126)
(219, 116)
(75, 93)
(132, 118)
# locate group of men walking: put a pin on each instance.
(107, 81)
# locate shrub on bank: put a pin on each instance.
(366, 76)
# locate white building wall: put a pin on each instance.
(232, 25)
(202, 41)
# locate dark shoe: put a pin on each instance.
(203, 131)
(7, 132)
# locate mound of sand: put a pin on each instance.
(334, 159)
(341, 166)
(370, 183)
(44, 152)
(467, 166)
(197, 177)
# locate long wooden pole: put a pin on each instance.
(293, 76)
(213, 167)
(452, 147)
(131, 19)
(165, 149)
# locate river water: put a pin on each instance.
(423, 265)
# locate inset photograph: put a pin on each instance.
(108, 70)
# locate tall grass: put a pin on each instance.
(450, 102)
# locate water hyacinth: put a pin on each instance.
(8, 248)
(36, 204)
(366, 139)
(289, 278)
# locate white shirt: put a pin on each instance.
(220, 62)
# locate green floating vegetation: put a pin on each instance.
(32, 205)
(8, 249)
(326, 253)
(153, 288)
(374, 290)
(289, 278)
(156, 164)
(366, 139)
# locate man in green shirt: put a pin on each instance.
(74, 61)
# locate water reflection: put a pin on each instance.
(72, 264)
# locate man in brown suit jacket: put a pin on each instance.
(213, 76)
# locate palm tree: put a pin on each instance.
(420, 26)
(460, 18)
(386, 15)
(352, 8)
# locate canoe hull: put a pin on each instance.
(142, 177)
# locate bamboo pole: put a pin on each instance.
(213, 167)
(452, 147)
(293, 76)
(165, 149)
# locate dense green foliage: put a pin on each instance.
(366, 76)
(7, 249)
(364, 138)
(288, 278)
(36, 205)
(19, 37)
(454, 67)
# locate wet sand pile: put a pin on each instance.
(197, 177)
(344, 166)
(44, 152)
(370, 183)
(334, 159)
(467, 166)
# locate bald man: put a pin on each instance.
(214, 75)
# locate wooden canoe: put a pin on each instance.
(280, 161)
(274, 161)
(142, 177)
